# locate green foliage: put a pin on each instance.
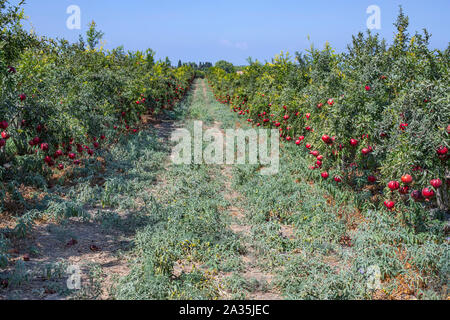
(93, 36)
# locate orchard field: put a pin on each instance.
(87, 185)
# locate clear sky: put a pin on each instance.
(211, 30)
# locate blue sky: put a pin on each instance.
(200, 30)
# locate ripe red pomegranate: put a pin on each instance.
(4, 125)
(286, 117)
(72, 156)
(330, 102)
(365, 151)
(325, 175)
(353, 142)
(58, 153)
(44, 146)
(427, 193)
(60, 166)
(320, 157)
(308, 115)
(319, 163)
(436, 183)
(320, 105)
(298, 142)
(301, 138)
(367, 88)
(96, 145)
(326, 139)
(393, 185)
(407, 179)
(315, 153)
(5, 135)
(337, 179)
(441, 150)
(308, 146)
(389, 204)
(22, 97)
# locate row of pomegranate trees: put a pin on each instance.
(379, 113)
(63, 101)
(272, 121)
(23, 135)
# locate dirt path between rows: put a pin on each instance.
(242, 228)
